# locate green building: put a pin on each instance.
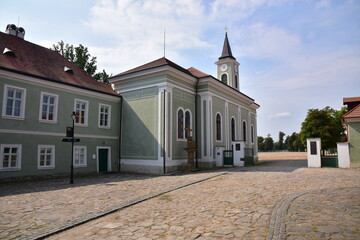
(40, 89)
(161, 99)
(352, 123)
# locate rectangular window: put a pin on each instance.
(104, 115)
(313, 150)
(80, 156)
(48, 107)
(81, 109)
(10, 157)
(46, 156)
(14, 102)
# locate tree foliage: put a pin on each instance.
(261, 144)
(294, 143)
(324, 124)
(268, 143)
(81, 57)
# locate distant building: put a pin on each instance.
(352, 122)
(39, 90)
(161, 99)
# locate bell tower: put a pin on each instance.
(228, 67)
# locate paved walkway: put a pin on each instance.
(235, 205)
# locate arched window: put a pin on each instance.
(224, 78)
(218, 127)
(236, 81)
(232, 129)
(187, 123)
(180, 122)
(244, 130)
(252, 133)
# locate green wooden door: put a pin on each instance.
(103, 160)
(228, 157)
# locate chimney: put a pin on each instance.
(12, 29)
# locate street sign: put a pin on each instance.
(70, 140)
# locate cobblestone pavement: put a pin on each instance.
(327, 214)
(32, 207)
(236, 205)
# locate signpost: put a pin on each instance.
(70, 138)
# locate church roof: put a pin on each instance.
(226, 52)
(156, 63)
(23, 57)
(197, 72)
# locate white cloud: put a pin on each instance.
(280, 115)
(135, 29)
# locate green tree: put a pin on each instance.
(81, 57)
(324, 124)
(294, 143)
(261, 144)
(280, 144)
(268, 143)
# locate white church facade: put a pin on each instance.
(160, 99)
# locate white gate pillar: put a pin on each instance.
(313, 152)
(343, 155)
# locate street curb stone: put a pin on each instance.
(93, 216)
(277, 228)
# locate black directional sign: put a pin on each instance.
(70, 140)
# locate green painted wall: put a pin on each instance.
(354, 136)
(31, 132)
(140, 124)
(186, 101)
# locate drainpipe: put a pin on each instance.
(120, 132)
(196, 131)
(164, 128)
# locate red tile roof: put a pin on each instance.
(197, 72)
(351, 99)
(156, 63)
(353, 113)
(36, 61)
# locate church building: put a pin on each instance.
(161, 99)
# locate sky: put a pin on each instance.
(294, 55)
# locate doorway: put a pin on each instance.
(104, 159)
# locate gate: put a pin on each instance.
(249, 157)
(329, 158)
(228, 157)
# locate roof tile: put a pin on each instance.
(37, 61)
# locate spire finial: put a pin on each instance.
(226, 30)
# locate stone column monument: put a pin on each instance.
(191, 148)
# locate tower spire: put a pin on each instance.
(226, 52)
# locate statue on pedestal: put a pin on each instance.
(191, 148)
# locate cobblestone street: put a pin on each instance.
(240, 203)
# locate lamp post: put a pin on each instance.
(73, 116)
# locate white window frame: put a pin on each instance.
(22, 105)
(235, 132)
(191, 133)
(252, 134)
(245, 132)
(55, 107)
(109, 116)
(18, 159)
(85, 156)
(52, 160)
(184, 122)
(85, 124)
(221, 128)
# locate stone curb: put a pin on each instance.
(93, 216)
(277, 228)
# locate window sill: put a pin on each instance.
(45, 168)
(10, 169)
(13, 118)
(47, 121)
